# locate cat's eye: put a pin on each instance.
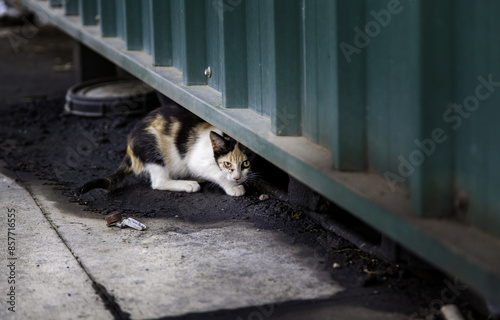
(246, 164)
(227, 164)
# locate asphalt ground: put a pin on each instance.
(204, 255)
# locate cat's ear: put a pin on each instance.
(218, 143)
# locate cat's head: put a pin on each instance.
(232, 157)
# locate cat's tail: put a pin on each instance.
(108, 183)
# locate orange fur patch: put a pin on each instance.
(137, 165)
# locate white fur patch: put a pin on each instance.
(158, 175)
(160, 180)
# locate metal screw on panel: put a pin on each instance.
(208, 72)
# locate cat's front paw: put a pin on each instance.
(236, 191)
(191, 186)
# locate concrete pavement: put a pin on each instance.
(171, 269)
(46, 279)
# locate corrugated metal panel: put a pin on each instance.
(88, 12)
(474, 121)
(431, 186)
(161, 33)
(120, 18)
(392, 87)
(232, 55)
(193, 43)
(108, 18)
(259, 58)
(56, 3)
(146, 26)
(319, 52)
(212, 28)
(349, 127)
(71, 7)
(133, 25)
(177, 38)
(366, 87)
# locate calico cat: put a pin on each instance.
(177, 150)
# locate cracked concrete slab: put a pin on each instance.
(175, 268)
(45, 281)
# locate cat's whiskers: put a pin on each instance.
(253, 177)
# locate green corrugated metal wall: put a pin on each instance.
(403, 90)
(476, 137)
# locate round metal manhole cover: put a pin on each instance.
(110, 96)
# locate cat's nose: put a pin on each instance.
(236, 176)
